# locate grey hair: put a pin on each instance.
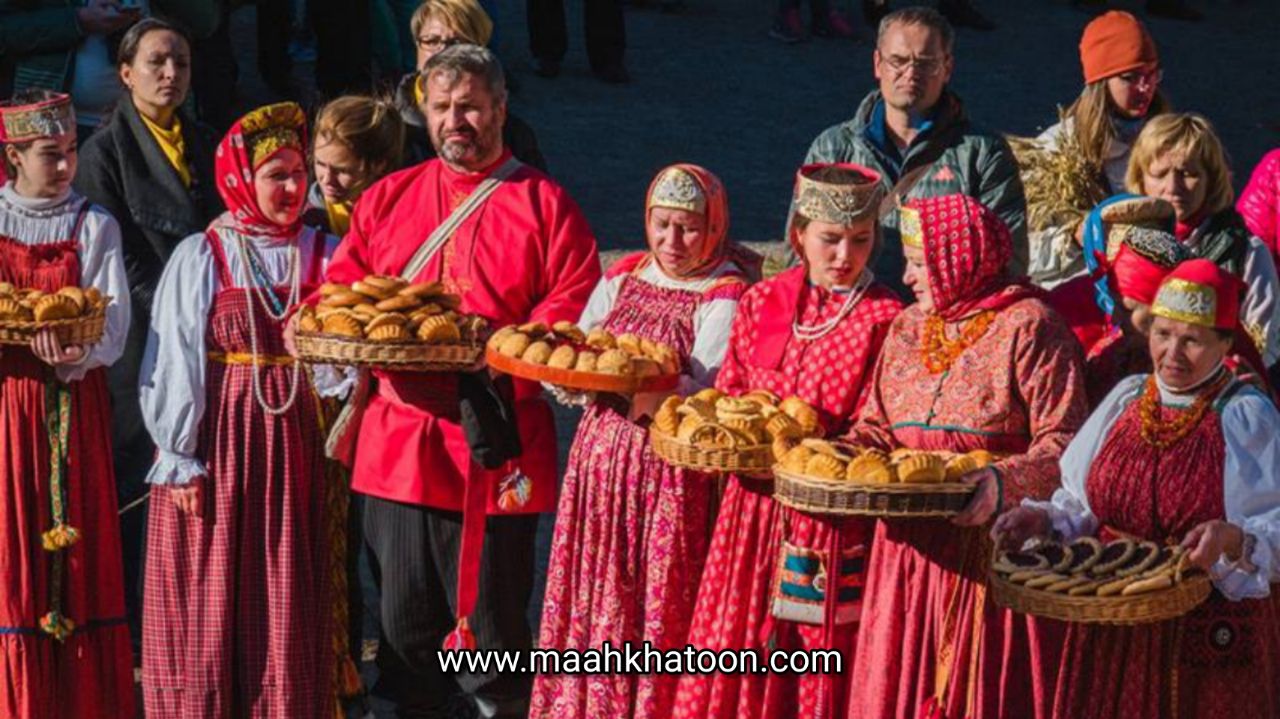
(917, 15)
(457, 60)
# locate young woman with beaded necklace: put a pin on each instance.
(237, 616)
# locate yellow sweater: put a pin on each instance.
(171, 144)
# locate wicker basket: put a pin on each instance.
(1147, 608)
(754, 460)
(582, 381)
(85, 330)
(841, 497)
(403, 356)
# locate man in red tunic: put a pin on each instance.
(525, 254)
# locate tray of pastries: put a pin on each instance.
(713, 432)
(387, 322)
(595, 361)
(828, 478)
(1125, 581)
(77, 315)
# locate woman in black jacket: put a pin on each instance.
(151, 166)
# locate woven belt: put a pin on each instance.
(245, 358)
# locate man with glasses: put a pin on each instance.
(436, 25)
(914, 131)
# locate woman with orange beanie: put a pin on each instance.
(1122, 91)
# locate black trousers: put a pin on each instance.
(605, 29)
(416, 552)
(344, 46)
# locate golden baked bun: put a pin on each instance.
(537, 353)
(533, 329)
(422, 290)
(515, 345)
(399, 303)
(601, 339)
(495, 340)
(802, 413)
(450, 302)
(762, 397)
(586, 362)
(11, 309)
(688, 425)
(982, 457)
(366, 311)
(922, 469)
(797, 459)
(431, 309)
(7, 289)
(388, 333)
(667, 359)
(630, 344)
(781, 425)
(386, 318)
(614, 362)
(343, 324)
(737, 407)
(569, 331)
(344, 298)
(386, 282)
(438, 330)
(76, 295)
(55, 307)
(564, 357)
(665, 418)
(94, 297)
(870, 469)
(701, 407)
(751, 430)
(332, 288)
(710, 395)
(307, 321)
(714, 436)
(902, 453)
(958, 467)
(782, 445)
(372, 291)
(824, 466)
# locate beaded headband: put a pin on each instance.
(272, 128)
(678, 190)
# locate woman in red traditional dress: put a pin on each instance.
(813, 332)
(1222, 502)
(631, 531)
(236, 602)
(979, 362)
(64, 640)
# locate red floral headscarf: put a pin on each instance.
(966, 250)
(251, 141)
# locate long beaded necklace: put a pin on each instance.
(809, 333)
(938, 352)
(260, 286)
(1161, 434)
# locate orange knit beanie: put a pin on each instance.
(1113, 43)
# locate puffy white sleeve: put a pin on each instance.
(600, 304)
(1251, 491)
(102, 266)
(1068, 508)
(711, 324)
(1258, 313)
(171, 385)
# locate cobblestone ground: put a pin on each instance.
(710, 87)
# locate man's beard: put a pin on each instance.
(459, 152)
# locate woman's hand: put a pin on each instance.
(1013, 528)
(985, 501)
(1209, 541)
(189, 498)
(289, 334)
(49, 349)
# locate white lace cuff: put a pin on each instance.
(174, 470)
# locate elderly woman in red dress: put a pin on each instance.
(979, 362)
(631, 531)
(236, 612)
(814, 332)
(1222, 502)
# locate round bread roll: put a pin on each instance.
(384, 319)
(386, 282)
(586, 362)
(781, 446)
(569, 331)
(422, 290)
(614, 362)
(365, 311)
(333, 288)
(599, 338)
(537, 353)
(342, 324)
(344, 298)
(824, 466)
(399, 303)
(533, 329)
(781, 425)
(372, 291)
(563, 357)
(710, 395)
(515, 345)
(630, 344)
(497, 338)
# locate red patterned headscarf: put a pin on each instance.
(251, 141)
(694, 189)
(966, 250)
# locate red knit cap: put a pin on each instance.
(1113, 43)
(1200, 293)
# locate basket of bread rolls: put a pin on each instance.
(831, 478)
(712, 432)
(597, 361)
(1124, 581)
(387, 322)
(77, 315)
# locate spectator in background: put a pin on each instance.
(605, 31)
(1260, 203)
(49, 44)
(358, 139)
(827, 22)
(438, 24)
(960, 13)
(151, 167)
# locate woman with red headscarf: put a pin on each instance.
(979, 362)
(235, 602)
(631, 532)
(813, 332)
(1222, 503)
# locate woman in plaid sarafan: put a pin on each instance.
(237, 590)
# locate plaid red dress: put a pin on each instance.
(236, 600)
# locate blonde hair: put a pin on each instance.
(370, 127)
(1189, 134)
(464, 17)
(1091, 119)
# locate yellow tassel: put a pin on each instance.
(57, 625)
(60, 537)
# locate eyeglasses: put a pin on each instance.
(436, 43)
(1144, 78)
(926, 66)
